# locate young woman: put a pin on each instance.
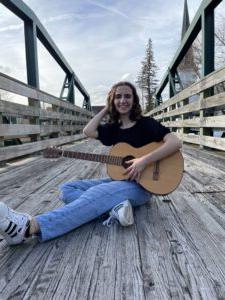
(88, 199)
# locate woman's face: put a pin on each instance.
(123, 99)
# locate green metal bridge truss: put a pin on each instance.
(204, 20)
(33, 29)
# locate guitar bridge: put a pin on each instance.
(156, 171)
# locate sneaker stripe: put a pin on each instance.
(118, 207)
(11, 231)
(15, 234)
(9, 226)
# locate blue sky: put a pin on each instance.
(103, 40)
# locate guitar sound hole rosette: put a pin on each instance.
(125, 159)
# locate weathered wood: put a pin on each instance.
(18, 129)
(174, 250)
(173, 112)
(20, 150)
(64, 119)
(212, 122)
(192, 107)
(210, 80)
(20, 110)
(208, 141)
(12, 85)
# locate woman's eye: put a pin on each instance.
(126, 96)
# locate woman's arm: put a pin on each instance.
(90, 130)
(171, 144)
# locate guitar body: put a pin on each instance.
(169, 169)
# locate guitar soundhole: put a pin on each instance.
(125, 159)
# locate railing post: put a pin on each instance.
(55, 108)
(182, 119)
(208, 42)
(32, 68)
(208, 59)
(1, 122)
(201, 118)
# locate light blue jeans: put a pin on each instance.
(86, 200)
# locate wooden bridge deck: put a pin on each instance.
(175, 250)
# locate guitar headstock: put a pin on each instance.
(52, 152)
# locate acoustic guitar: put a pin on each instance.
(160, 178)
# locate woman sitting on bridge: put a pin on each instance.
(88, 199)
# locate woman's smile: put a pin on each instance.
(123, 99)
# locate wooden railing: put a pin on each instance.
(195, 120)
(32, 126)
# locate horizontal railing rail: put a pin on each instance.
(194, 114)
(45, 121)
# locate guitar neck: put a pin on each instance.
(111, 160)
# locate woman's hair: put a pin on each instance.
(136, 111)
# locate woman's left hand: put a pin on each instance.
(137, 165)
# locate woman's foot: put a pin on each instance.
(14, 226)
(123, 213)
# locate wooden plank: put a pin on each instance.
(20, 150)
(208, 141)
(171, 265)
(15, 86)
(213, 142)
(209, 81)
(191, 107)
(18, 110)
(208, 239)
(183, 123)
(174, 250)
(18, 129)
(212, 122)
(53, 269)
(217, 161)
(189, 138)
(213, 101)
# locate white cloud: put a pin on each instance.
(127, 77)
(11, 28)
(104, 41)
(109, 8)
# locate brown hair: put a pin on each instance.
(114, 116)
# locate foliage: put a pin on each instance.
(146, 79)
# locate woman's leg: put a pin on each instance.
(71, 191)
(92, 203)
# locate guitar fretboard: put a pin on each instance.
(112, 160)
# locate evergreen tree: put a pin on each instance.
(146, 79)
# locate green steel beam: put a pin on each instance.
(188, 39)
(208, 42)
(71, 93)
(172, 89)
(19, 8)
(31, 54)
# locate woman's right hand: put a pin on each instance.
(90, 130)
(106, 108)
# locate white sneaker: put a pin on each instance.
(123, 213)
(13, 225)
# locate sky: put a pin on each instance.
(102, 40)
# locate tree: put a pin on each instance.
(146, 79)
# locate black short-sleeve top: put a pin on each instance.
(145, 131)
